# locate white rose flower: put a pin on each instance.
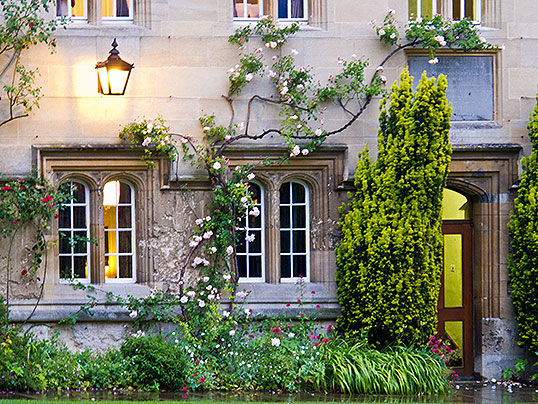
(216, 166)
(249, 238)
(294, 52)
(184, 299)
(201, 303)
(381, 31)
(133, 314)
(146, 141)
(249, 77)
(229, 250)
(251, 176)
(231, 332)
(305, 152)
(206, 279)
(225, 313)
(254, 212)
(275, 342)
(191, 293)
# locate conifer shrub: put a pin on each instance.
(523, 263)
(389, 258)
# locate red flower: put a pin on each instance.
(317, 306)
(184, 389)
(47, 199)
(22, 188)
(202, 379)
(31, 24)
(276, 329)
(6, 188)
(313, 292)
(197, 361)
(15, 221)
(288, 305)
(24, 272)
(251, 335)
(56, 216)
(302, 314)
(298, 300)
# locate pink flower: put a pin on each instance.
(202, 379)
(313, 292)
(302, 314)
(317, 306)
(184, 389)
(288, 305)
(298, 300)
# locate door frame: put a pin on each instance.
(466, 312)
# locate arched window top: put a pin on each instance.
(455, 206)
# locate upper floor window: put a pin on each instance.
(74, 235)
(292, 9)
(111, 10)
(73, 9)
(457, 9)
(294, 232)
(116, 9)
(250, 250)
(118, 218)
(247, 9)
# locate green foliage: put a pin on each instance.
(523, 263)
(390, 255)
(154, 363)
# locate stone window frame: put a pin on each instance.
(323, 171)
(94, 167)
(497, 104)
(315, 13)
(139, 14)
(489, 11)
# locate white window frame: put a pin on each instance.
(106, 20)
(247, 254)
(132, 229)
(245, 16)
(70, 205)
(288, 18)
(291, 204)
(70, 17)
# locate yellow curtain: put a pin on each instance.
(107, 8)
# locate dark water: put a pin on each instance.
(465, 392)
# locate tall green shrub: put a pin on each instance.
(523, 264)
(390, 255)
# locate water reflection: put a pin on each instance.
(467, 392)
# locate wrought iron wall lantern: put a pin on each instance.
(113, 74)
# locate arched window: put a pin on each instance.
(74, 234)
(294, 232)
(119, 223)
(250, 254)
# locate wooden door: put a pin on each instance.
(455, 315)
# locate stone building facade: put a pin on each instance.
(181, 55)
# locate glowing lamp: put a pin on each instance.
(113, 74)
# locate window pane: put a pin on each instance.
(412, 4)
(255, 267)
(122, 8)
(79, 193)
(109, 217)
(299, 266)
(285, 217)
(125, 193)
(125, 241)
(126, 266)
(282, 8)
(80, 267)
(110, 242)
(65, 267)
(80, 242)
(255, 192)
(254, 222)
(285, 241)
(65, 242)
(298, 193)
(299, 241)
(79, 217)
(242, 266)
(65, 217)
(241, 243)
(111, 267)
(299, 216)
(256, 245)
(285, 193)
(124, 217)
(285, 266)
(297, 8)
(427, 8)
(456, 10)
